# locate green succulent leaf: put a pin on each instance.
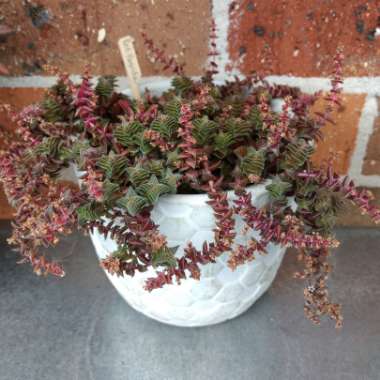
(155, 167)
(173, 158)
(73, 152)
(89, 212)
(255, 118)
(29, 155)
(303, 203)
(164, 257)
(182, 84)
(113, 166)
(138, 175)
(204, 130)
(171, 180)
(132, 202)
(52, 110)
(129, 134)
(165, 125)
(222, 144)
(252, 164)
(296, 154)
(110, 190)
(278, 188)
(152, 189)
(238, 128)
(106, 86)
(48, 147)
(237, 104)
(325, 200)
(173, 108)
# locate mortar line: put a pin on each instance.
(367, 180)
(358, 85)
(365, 129)
(220, 14)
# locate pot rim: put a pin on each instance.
(201, 199)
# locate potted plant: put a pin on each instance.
(191, 195)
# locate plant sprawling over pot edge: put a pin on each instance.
(196, 137)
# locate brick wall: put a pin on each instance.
(290, 41)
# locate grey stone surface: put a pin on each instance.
(78, 327)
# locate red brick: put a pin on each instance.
(179, 26)
(339, 138)
(5, 210)
(69, 40)
(17, 98)
(300, 37)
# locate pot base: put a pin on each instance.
(220, 294)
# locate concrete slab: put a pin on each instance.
(80, 328)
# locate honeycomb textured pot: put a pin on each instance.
(220, 294)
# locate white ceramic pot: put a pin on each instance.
(220, 294)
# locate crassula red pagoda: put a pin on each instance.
(196, 137)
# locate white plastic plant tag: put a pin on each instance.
(131, 64)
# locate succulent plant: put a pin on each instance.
(198, 136)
